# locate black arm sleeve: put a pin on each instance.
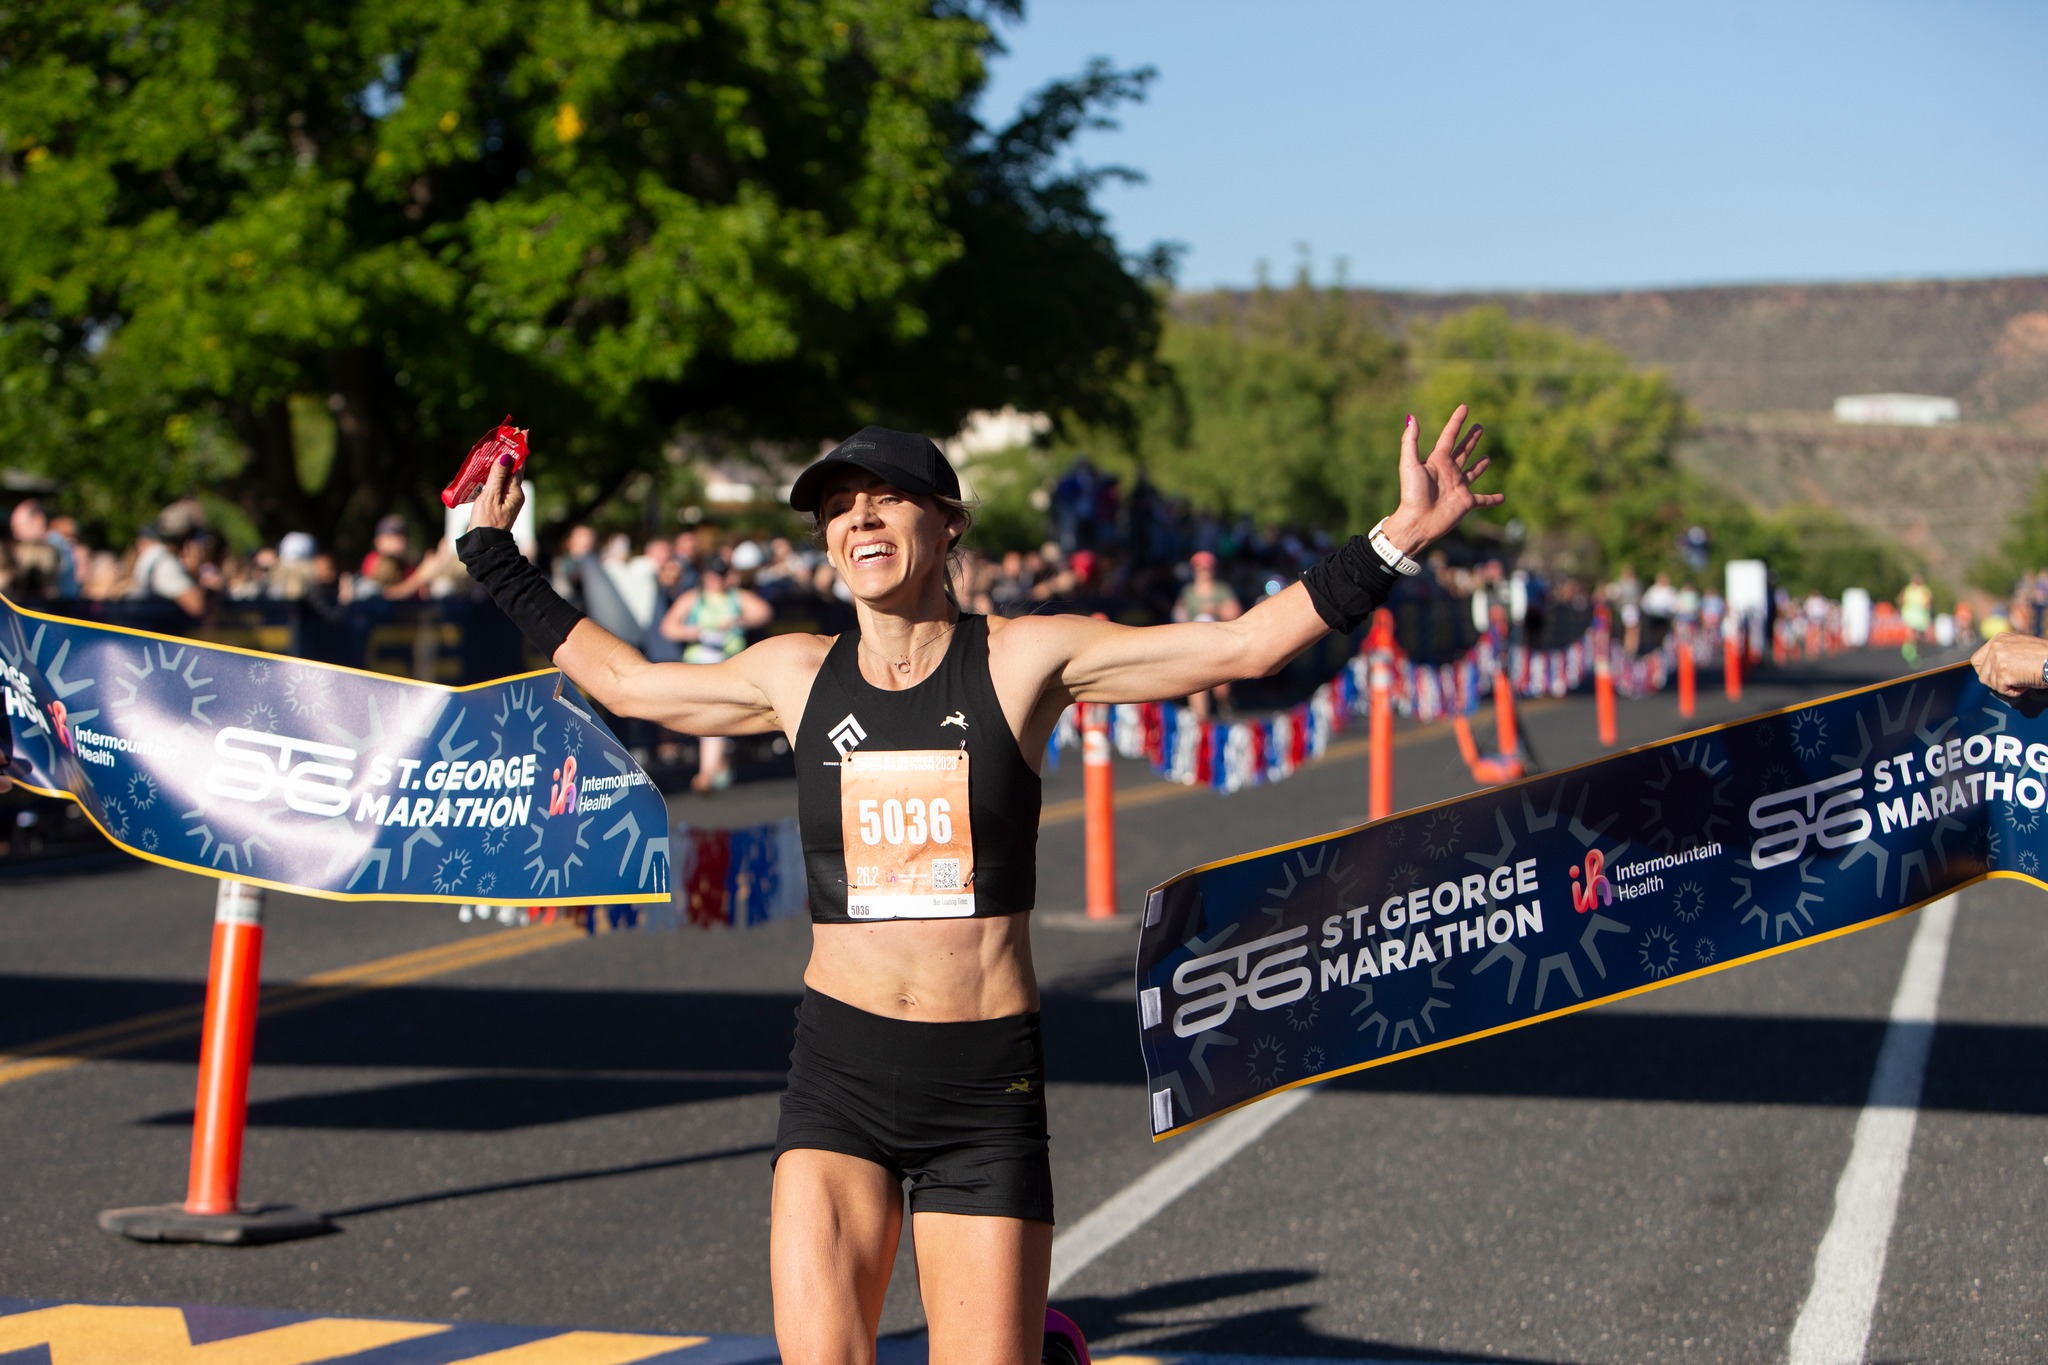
(1349, 584)
(521, 591)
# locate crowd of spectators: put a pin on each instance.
(1128, 552)
(178, 558)
(1132, 555)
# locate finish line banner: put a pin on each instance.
(326, 780)
(1574, 888)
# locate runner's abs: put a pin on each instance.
(933, 971)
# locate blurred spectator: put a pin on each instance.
(248, 577)
(637, 579)
(440, 574)
(1010, 586)
(47, 549)
(1073, 506)
(1625, 594)
(293, 576)
(104, 580)
(327, 590)
(784, 571)
(1695, 547)
(1916, 613)
(1207, 598)
(580, 576)
(1489, 589)
(201, 556)
(31, 570)
(1687, 606)
(1660, 599)
(390, 560)
(711, 622)
(160, 573)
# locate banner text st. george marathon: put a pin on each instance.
(327, 780)
(1572, 888)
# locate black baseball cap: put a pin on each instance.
(910, 462)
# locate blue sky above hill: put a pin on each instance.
(1567, 145)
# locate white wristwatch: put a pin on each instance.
(1391, 553)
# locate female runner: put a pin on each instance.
(917, 739)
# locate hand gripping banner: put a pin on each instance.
(1574, 888)
(326, 780)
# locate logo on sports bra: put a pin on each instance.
(958, 718)
(846, 735)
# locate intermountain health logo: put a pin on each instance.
(847, 735)
(1596, 890)
(562, 795)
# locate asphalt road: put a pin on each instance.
(577, 1134)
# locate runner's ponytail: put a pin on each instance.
(521, 591)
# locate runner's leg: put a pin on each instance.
(983, 1281)
(831, 1242)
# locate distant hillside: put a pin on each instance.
(1763, 365)
(1944, 492)
(1776, 348)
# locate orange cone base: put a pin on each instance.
(246, 1228)
(1496, 769)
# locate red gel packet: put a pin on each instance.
(506, 439)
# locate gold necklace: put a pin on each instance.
(903, 665)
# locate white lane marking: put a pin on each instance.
(1131, 1207)
(1834, 1325)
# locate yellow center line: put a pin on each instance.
(148, 1030)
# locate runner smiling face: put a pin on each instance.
(887, 544)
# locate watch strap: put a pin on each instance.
(1408, 568)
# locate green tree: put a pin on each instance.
(2024, 550)
(300, 255)
(1811, 549)
(1581, 441)
(1280, 404)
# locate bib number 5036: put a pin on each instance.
(906, 822)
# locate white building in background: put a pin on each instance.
(1897, 409)
(984, 433)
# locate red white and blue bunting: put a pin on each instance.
(1232, 755)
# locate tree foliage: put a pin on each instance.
(1281, 404)
(303, 254)
(1581, 441)
(2023, 552)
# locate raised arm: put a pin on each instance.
(748, 694)
(751, 693)
(1101, 661)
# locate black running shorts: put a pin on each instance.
(958, 1110)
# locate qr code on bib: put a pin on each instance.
(945, 874)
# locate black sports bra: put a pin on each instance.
(915, 804)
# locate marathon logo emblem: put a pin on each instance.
(1787, 819)
(259, 763)
(1220, 980)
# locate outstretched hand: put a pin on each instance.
(1437, 493)
(498, 505)
(2011, 664)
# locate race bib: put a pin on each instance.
(909, 843)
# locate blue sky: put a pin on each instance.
(1567, 145)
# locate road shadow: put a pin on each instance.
(480, 1104)
(687, 1046)
(542, 1181)
(1157, 1320)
